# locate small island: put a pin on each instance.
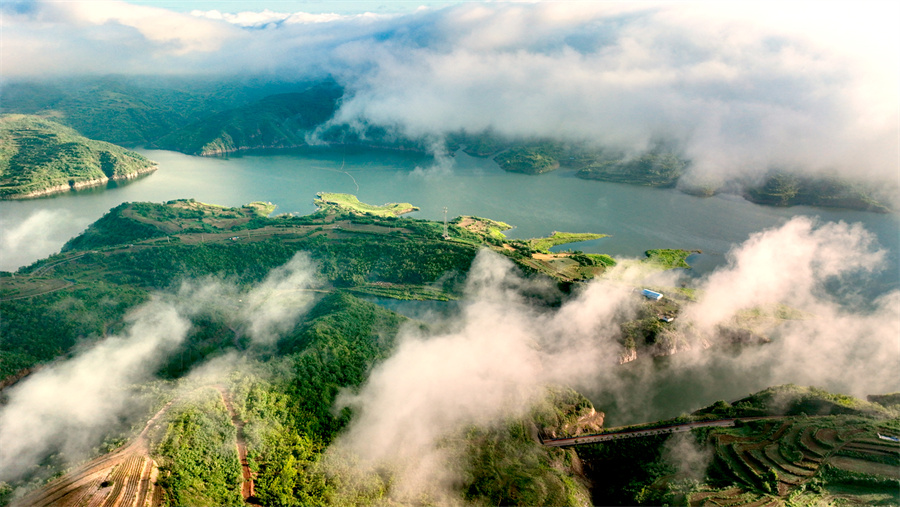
(39, 157)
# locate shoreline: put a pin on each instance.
(80, 185)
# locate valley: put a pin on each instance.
(273, 408)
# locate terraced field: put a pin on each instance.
(126, 477)
(768, 461)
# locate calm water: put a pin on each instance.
(637, 218)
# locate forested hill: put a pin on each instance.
(41, 157)
(285, 392)
(220, 395)
(276, 121)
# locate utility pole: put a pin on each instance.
(446, 233)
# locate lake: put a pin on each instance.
(636, 218)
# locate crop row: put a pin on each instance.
(125, 478)
(730, 497)
(779, 458)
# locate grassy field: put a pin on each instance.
(349, 202)
(561, 238)
(669, 258)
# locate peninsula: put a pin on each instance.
(39, 157)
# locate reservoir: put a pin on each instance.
(636, 219)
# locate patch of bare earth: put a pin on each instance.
(125, 477)
(247, 490)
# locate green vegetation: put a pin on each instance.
(484, 144)
(198, 459)
(214, 116)
(507, 467)
(114, 228)
(485, 227)
(40, 157)
(668, 258)
(654, 168)
(337, 203)
(796, 400)
(593, 259)
(260, 208)
(885, 400)
(530, 158)
(814, 444)
(818, 460)
(276, 121)
(134, 111)
(37, 330)
(561, 238)
(83, 293)
(785, 189)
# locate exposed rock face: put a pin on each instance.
(628, 356)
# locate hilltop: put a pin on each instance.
(40, 157)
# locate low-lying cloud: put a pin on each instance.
(835, 337)
(740, 88)
(490, 363)
(69, 406)
(37, 235)
(493, 360)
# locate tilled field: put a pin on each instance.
(772, 460)
(123, 478)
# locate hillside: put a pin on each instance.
(652, 169)
(783, 189)
(134, 111)
(277, 121)
(794, 446)
(260, 427)
(214, 117)
(281, 398)
(40, 157)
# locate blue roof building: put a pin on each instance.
(649, 294)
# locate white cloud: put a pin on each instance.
(743, 86)
(38, 235)
(69, 406)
